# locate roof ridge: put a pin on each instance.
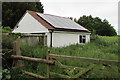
(47, 14)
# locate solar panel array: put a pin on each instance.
(61, 22)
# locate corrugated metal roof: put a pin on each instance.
(61, 22)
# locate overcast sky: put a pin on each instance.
(105, 9)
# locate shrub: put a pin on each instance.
(7, 41)
(93, 37)
(6, 74)
(7, 30)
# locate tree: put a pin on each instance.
(70, 18)
(13, 11)
(75, 19)
(100, 27)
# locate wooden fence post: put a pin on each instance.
(48, 66)
(16, 51)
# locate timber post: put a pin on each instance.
(16, 51)
(48, 66)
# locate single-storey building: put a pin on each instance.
(60, 31)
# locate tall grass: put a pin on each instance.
(101, 48)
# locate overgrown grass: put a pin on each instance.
(101, 48)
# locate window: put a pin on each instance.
(82, 39)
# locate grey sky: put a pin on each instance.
(105, 9)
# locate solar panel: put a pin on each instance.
(61, 22)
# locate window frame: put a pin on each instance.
(82, 38)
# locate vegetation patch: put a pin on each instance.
(103, 47)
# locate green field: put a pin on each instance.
(102, 48)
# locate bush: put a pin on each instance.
(7, 30)
(93, 37)
(7, 41)
(6, 74)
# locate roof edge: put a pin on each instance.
(71, 30)
(20, 19)
(40, 20)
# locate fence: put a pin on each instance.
(81, 71)
(52, 60)
(31, 38)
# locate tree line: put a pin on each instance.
(13, 11)
(96, 25)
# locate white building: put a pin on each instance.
(60, 31)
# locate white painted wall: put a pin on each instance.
(87, 38)
(64, 39)
(28, 24)
(61, 39)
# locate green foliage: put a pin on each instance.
(102, 28)
(7, 46)
(101, 48)
(93, 37)
(70, 18)
(16, 74)
(6, 74)
(7, 40)
(6, 29)
(13, 11)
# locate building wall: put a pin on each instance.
(62, 39)
(87, 38)
(48, 39)
(28, 24)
